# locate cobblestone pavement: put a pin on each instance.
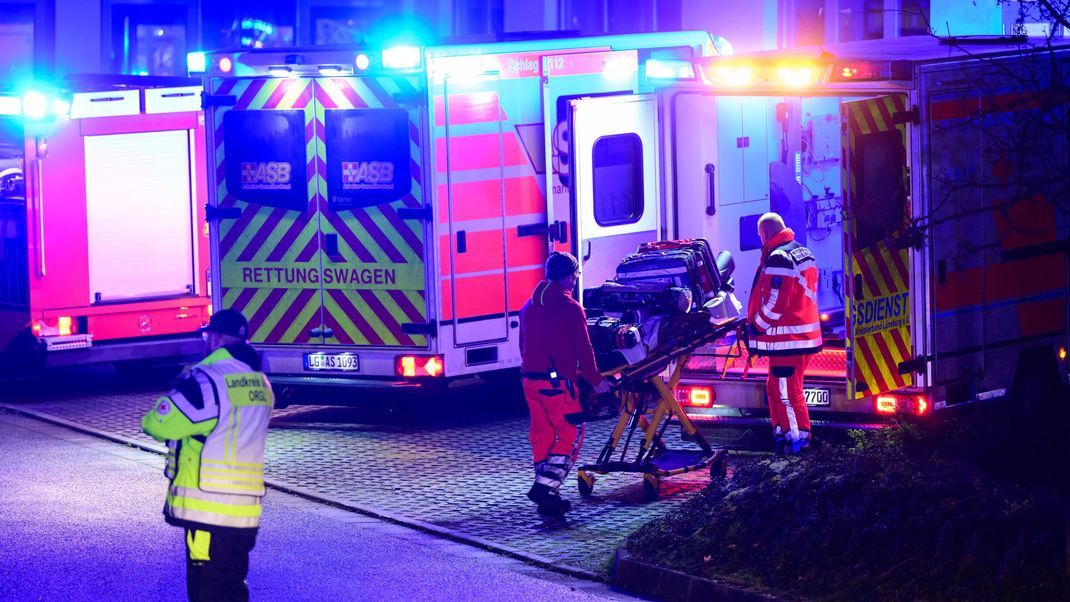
(461, 462)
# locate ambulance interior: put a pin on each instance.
(737, 157)
(14, 293)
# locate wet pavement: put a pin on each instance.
(80, 520)
(459, 463)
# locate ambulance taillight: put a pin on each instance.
(694, 396)
(889, 405)
(416, 366)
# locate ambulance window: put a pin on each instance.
(618, 179)
(881, 199)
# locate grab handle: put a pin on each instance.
(711, 199)
(39, 212)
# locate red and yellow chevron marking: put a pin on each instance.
(273, 268)
(879, 321)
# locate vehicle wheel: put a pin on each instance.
(719, 467)
(651, 487)
(585, 483)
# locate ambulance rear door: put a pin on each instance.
(266, 239)
(602, 164)
(878, 259)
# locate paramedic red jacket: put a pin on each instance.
(552, 322)
(783, 300)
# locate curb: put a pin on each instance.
(418, 525)
(651, 581)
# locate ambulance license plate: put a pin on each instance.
(817, 397)
(344, 362)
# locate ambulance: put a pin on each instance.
(930, 179)
(380, 215)
(103, 241)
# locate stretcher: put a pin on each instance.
(648, 405)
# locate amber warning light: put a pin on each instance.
(412, 366)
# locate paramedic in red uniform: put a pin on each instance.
(785, 325)
(555, 351)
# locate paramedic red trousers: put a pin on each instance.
(555, 443)
(787, 404)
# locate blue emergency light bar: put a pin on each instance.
(35, 105)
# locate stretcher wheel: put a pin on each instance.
(585, 482)
(719, 467)
(651, 486)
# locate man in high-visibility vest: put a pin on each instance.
(215, 425)
(785, 325)
(555, 351)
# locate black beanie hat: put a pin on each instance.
(560, 265)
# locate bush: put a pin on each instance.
(909, 512)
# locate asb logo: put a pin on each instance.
(367, 175)
(268, 175)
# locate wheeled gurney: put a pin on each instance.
(645, 394)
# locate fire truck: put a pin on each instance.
(104, 254)
(380, 215)
(930, 179)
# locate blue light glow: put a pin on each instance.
(34, 105)
(196, 62)
(401, 57)
(10, 105)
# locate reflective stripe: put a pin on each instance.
(233, 476)
(220, 509)
(780, 345)
(793, 422)
(776, 330)
(255, 465)
(786, 272)
(198, 543)
(760, 321)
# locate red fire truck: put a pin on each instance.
(104, 250)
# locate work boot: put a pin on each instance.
(549, 504)
(780, 445)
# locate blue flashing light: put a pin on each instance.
(401, 57)
(196, 62)
(669, 69)
(10, 105)
(34, 105)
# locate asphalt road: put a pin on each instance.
(80, 520)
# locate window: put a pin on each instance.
(881, 198)
(478, 17)
(149, 39)
(367, 157)
(266, 157)
(16, 41)
(618, 179)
